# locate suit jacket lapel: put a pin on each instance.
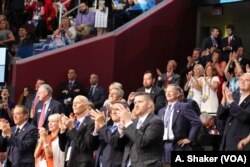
(176, 112)
(49, 109)
(245, 101)
(144, 124)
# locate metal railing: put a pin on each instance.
(61, 7)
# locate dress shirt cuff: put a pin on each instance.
(121, 132)
(95, 134)
(128, 123)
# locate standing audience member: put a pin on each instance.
(101, 18)
(116, 85)
(196, 58)
(192, 85)
(19, 140)
(69, 90)
(181, 124)
(32, 101)
(27, 92)
(240, 56)
(149, 86)
(50, 16)
(6, 106)
(145, 145)
(6, 36)
(48, 144)
(219, 64)
(46, 106)
(211, 124)
(211, 41)
(109, 140)
(96, 93)
(74, 135)
(230, 43)
(233, 78)
(170, 77)
(235, 110)
(209, 85)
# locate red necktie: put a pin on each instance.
(36, 100)
(167, 80)
(42, 116)
(229, 41)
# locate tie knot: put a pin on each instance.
(17, 131)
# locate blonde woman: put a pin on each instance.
(48, 145)
(192, 85)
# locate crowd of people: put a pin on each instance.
(204, 106)
(86, 127)
(29, 27)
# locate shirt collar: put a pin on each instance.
(142, 119)
(21, 126)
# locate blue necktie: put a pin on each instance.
(113, 128)
(139, 124)
(167, 115)
(77, 125)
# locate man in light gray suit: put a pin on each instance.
(145, 133)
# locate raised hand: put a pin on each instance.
(158, 71)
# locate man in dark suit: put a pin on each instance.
(69, 90)
(211, 131)
(232, 42)
(33, 100)
(145, 133)
(212, 40)
(170, 77)
(74, 135)
(19, 140)
(241, 58)
(96, 93)
(235, 110)
(181, 124)
(109, 140)
(46, 106)
(156, 93)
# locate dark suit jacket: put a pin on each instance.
(237, 125)
(110, 147)
(29, 101)
(71, 93)
(207, 43)
(186, 123)
(157, 95)
(82, 149)
(98, 97)
(235, 43)
(54, 107)
(21, 147)
(145, 145)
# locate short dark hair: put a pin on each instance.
(25, 110)
(230, 26)
(150, 72)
